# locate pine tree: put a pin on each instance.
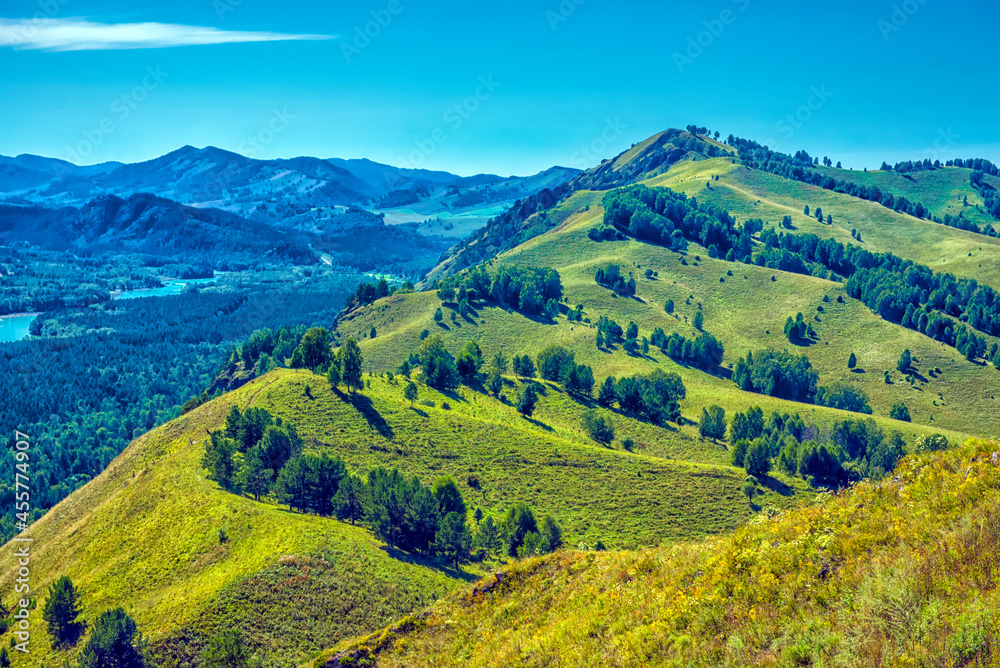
(499, 362)
(410, 392)
(452, 539)
(61, 611)
(607, 396)
(351, 362)
(495, 382)
(253, 477)
(699, 320)
(852, 361)
(333, 373)
(115, 642)
(713, 422)
(900, 412)
(527, 399)
(448, 496)
(757, 462)
(348, 501)
(905, 361)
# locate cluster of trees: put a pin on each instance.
(608, 331)
(268, 349)
(844, 396)
(655, 396)
(33, 279)
(531, 290)
(438, 366)
(250, 453)
(933, 304)
(777, 374)
(611, 277)
(797, 329)
(850, 451)
(558, 364)
(991, 199)
(604, 233)
(782, 374)
(112, 372)
(368, 292)
(255, 454)
(662, 216)
(975, 164)
(114, 640)
(795, 167)
(887, 284)
(704, 351)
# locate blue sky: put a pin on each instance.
(508, 88)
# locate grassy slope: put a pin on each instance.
(748, 193)
(740, 311)
(940, 190)
(903, 574)
(595, 493)
(144, 535)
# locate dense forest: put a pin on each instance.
(37, 280)
(101, 376)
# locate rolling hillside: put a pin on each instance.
(855, 579)
(183, 582)
(145, 535)
(691, 563)
(746, 311)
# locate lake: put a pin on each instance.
(15, 328)
(169, 288)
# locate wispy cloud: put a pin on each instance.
(81, 35)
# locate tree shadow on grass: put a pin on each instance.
(419, 412)
(776, 486)
(538, 423)
(858, 371)
(375, 420)
(71, 636)
(417, 560)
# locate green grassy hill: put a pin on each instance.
(145, 535)
(901, 573)
(746, 311)
(188, 559)
(749, 193)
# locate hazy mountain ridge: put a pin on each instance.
(265, 190)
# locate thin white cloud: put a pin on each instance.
(81, 35)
